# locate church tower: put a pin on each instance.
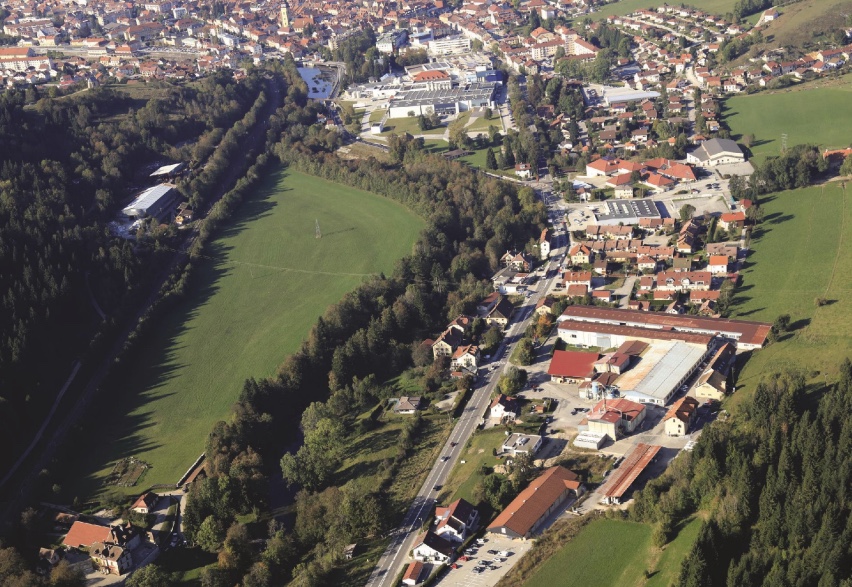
(285, 15)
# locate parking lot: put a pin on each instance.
(474, 572)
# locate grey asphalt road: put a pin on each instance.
(396, 554)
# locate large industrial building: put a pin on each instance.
(664, 367)
(442, 101)
(626, 212)
(155, 202)
(610, 327)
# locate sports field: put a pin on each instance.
(809, 114)
(625, 7)
(605, 553)
(253, 301)
(800, 253)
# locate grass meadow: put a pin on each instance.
(799, 254)
(800, 112)
(603, 554)
(624, 7)
(253, 300)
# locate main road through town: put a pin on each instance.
(403, 537)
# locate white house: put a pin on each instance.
(456, 521)
(544, 244)
(504, 408)
(465, 358)
(429, 547)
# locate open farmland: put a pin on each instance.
(798, 112)
(604, 553)
(800, 253)
(252, 301)
(624, 7)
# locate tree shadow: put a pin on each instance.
(777, 218)
(800, 324)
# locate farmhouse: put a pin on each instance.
(716, 152)
(525, 515)
(680, 416)
(85, 534)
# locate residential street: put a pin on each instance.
(396, 555)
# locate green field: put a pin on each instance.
(800, 253)
(801, 113)
(627, 6)
(410, 125)
(252, 302)
(668, 565)
(606, 553)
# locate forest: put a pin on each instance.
(57, 196)
(371, 335)
(775, 480)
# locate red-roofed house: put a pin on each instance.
(717, 264)
(145, 502)
(572, 366)
(732, 220)
(85, 534)
(413, 574)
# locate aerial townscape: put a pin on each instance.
(468, 293)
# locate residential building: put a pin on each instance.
(504, 408)
(732, 220)
(544, 244)
(145, 503)
(465, 358)
(429, 547)
(713, 383)
(680, 416)
(527, 513)
(456, 521)
(408, 405)
(516, 444)
(500, 314)
(111, 558)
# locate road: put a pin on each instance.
(72, 413)
(396, 554)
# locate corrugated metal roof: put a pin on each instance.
(676, 359)
(149, 197)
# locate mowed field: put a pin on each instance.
(800, 253)
(604, 554)
(801, 113)
(252, 302)
(625, 7)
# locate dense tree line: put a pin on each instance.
(365, 338)
(57, 195)
(797, 168)
(776, 479)
(359, 53)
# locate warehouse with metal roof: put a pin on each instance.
(663, 368)
(154, 202)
